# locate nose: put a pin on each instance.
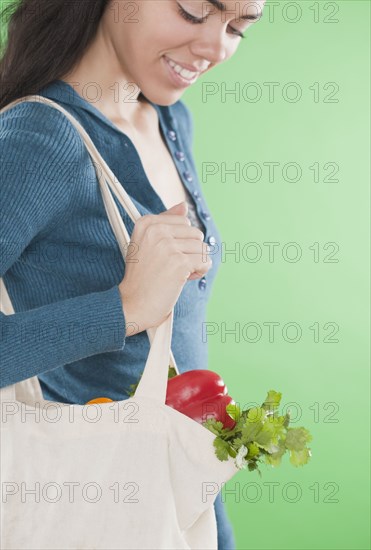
(210, 47)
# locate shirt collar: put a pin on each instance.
(60, 91)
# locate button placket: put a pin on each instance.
(172, 135)
(202, 283)
(180, 157)
(188, 176)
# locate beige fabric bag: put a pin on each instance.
(124, 475)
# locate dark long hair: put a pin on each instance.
(42, 40)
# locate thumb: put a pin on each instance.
(181, 209)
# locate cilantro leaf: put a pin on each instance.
(221, 448)
(255, 414)
(297, 438)
(213, 425)
(172, 372)
(299, 458)
(274, 459)
(234, 411)
(253, 451)
(272, 400)
(231, 452)
(238, 442)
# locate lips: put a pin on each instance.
(177, 79)
(183, 73)
(191, 68)
(184, 66)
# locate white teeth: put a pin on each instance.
(180, 70)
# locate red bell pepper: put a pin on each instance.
(200, 394)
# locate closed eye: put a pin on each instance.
(199, 20)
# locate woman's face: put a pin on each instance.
(144, 34)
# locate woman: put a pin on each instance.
(120, 68)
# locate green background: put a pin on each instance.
(324, 375)
(325, 504)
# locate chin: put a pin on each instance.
(163, 99)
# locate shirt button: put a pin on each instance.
(211, 240)
(180, 155)
(205, 215)
(202, 283)
(172, 135)
(188, 176)
(196, 194)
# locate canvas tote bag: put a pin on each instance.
(132, 474)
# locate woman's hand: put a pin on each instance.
(165, 251)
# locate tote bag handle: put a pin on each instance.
(155, 377)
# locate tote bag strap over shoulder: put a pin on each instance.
(153, 382)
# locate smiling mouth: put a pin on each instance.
(186, 74)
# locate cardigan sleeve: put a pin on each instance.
(41, 154)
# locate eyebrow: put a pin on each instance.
(222, 7)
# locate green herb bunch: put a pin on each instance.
(260, 435)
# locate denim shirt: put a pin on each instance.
(63, 265)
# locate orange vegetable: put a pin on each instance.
(99, 400)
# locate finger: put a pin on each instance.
(193, 246)
(183, 232)
(196, 265)
(172, 218)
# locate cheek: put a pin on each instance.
(161, 28)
